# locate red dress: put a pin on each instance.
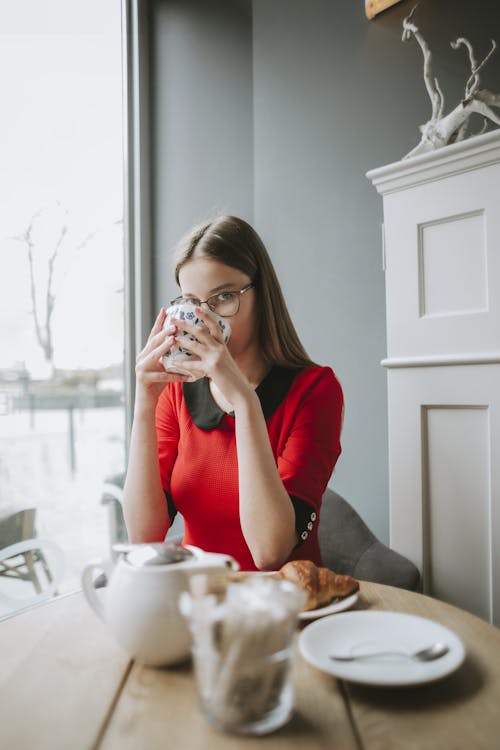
(198, 463)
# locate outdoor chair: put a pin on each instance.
(22, 553)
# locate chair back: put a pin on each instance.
(33, 553)
(17, 526)
(349, 547)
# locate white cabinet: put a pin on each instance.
(442, 256)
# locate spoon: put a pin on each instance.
(435, 651)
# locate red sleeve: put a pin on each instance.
(312, 446)
(167, 432)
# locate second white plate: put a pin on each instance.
(338, 605)
(355, 632)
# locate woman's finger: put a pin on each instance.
(190, 344)
(150, 365)
(150, 358)
(147, 377)
(202, 333)
(161, 349)
(210, 323)
(156, 340)
(192, 367)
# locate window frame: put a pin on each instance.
(137, 220)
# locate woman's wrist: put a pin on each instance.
(145, 403)
(246, 402)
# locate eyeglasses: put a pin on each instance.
(225, 304)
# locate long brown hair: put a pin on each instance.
(233, 242)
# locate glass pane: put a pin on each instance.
(62, 416)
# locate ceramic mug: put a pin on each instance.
(172, 361)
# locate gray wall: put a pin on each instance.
(325, 95)
(201, 101)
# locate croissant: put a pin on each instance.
(320, 584)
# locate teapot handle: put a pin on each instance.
(104, 566)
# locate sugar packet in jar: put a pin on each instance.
(242, 647)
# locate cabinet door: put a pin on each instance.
(444, 443)
(443, 266)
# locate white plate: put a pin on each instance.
(353, 632)
(338, 605)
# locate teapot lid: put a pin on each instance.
(157, 553)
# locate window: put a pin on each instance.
(62, 412)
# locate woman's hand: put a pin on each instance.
(213, 357)
(151, 376)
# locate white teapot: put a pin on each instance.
(141, 600)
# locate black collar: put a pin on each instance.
(207, 415)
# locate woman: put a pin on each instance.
(245, 451)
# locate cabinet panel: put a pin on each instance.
(443, 266)
(444, 483)
(456, 505)
(452, 258)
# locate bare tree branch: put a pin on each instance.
(440, 111)
(474, 80)
(43, 309)
(461, 41)
(435, 93)
(488, 97)
(50, 297)
(442, 129)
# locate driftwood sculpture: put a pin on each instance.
(442, 129)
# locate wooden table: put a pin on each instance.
(65, 684)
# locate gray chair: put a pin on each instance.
(347, 544)
(349, 547)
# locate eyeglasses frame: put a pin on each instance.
(180, 300)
